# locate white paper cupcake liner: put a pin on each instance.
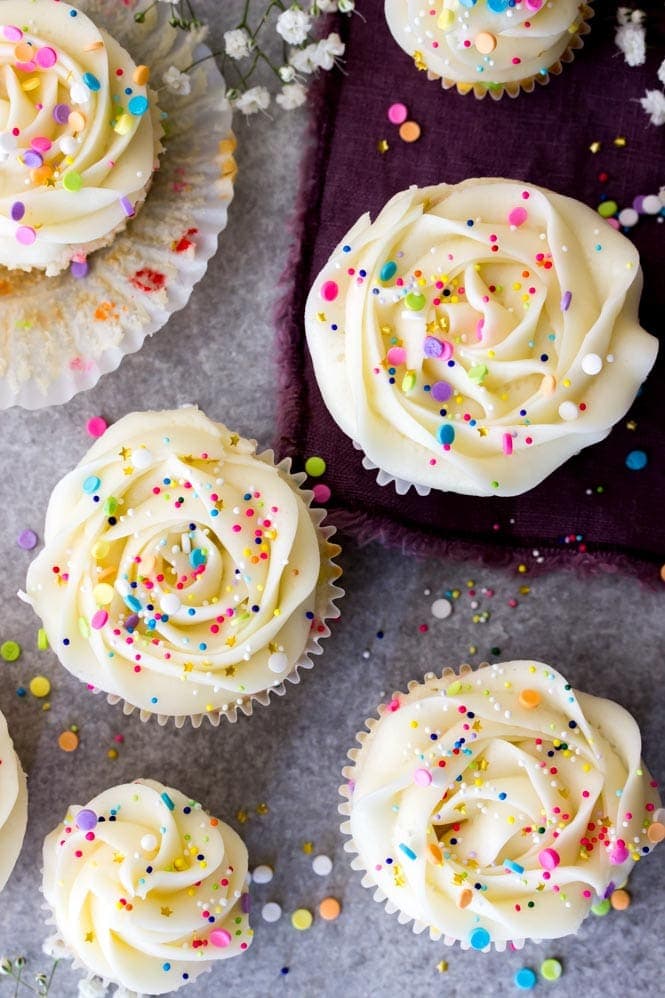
(527, 85)
(383, 478)
(59, 335)
(348, 772)
(327, 593)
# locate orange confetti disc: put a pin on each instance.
(141, 75)
(68, 741)
(656, 832)
(76, 122)
(529, 699)
(409, 131)
(23, 52)
(620, 900)
(434, 854)
(330, 909)
(485, 42)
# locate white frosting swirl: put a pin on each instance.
(483, 44)
(77, 142)
(474, 337)
(181, 571)
(146, 889)
(499, 804)
(13, 804)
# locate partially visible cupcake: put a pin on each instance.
(79, 136)
(475, 336)
(128, 879)
(182, 572)
(13, 804)
(489, 46)
(498, 805)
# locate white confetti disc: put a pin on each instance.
(271, 912)
(441, 608)
(322, 865)
(278, 662)
(592, 364)
(262, 874)
(568, 411)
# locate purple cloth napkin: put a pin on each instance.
(594, 510)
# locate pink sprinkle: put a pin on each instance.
(393, 706)
(329, 290)
(518, 216)
(12, 33)
(46, 57)
(99, 618)
(549, 858)
(41, 143)
(397, 356)
(422, 777)
(397, 113)
(321, 493)
(220, 938)
(96, 426)
(515, 61)
(507, 444)
(25, 235)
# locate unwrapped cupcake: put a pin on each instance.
(79, 136)
(182, 572)
(498, 805)
(475, 336)
(489, 46)
(146, 890)
(13, 804)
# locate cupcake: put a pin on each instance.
(182, 572)
(79, 138)
(126, 879)
(13, 804)
(498, 805)
(475, 336)
(489, 46)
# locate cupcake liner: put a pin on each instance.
(527, 85)
(60, 334)
(383, 478)
(325, 609)
(345, 791)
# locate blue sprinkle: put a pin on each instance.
(636, 460)
(479, 938)
(388, 270)
(196, 557)
(525, 979)
(138, 105)
(166, 966)
(133, 603)
(91, 484)
(407, 850)
(510, 864)
(445, 434)
(167, 800)
(91, 82)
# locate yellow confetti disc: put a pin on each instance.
(40, 686)
(301, 919)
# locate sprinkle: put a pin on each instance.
(409, 131)
(10, 651)
(25, 235)
(27, 540)
(407, 850)
(96, 426)
(68, 741)
(656, 832)
(445, 434)
(636, 460)
(566, 300)
(322, 865)
(138, 105)
(271, 912)
(434, 854)
(86, 819)
(330, 909)
(510, 864)
(46, 57)
(91, 82)
(441, 608)
(422, 777)
(42, 640)
(525, 979)
(220, 938)
(601, 907)
(17, 211)
(141, 75)
(620, 900)
(99, 619)
(517, 216)
(479, 938)
(592, 364)
(262, 874)
(549, 859)
(529, 699)
(322, 493)
(415, 301)
(397, 114)
(127, 207)
(568, 411)
(167, 800)
(12, 33)
(388, 271)
(315, 467)
(301, 919)
(278, 662)
(40, 687)
(551, 969)
(329, 290)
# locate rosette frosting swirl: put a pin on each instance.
(474, 337)
(485, 43)
(13, 804)
(77, 141)
(146, 889)
(181, 571)
(499, 805)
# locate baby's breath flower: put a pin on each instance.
(292, 95)
(253, 100)
(237, 43)
(293, 25)
(177, 82)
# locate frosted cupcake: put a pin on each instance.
(79, 136)
(473, 337)
(489, 46)
(127, 878)
(498, 805)
(182, 572)
(13, 804)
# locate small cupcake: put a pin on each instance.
(126, 878)
(80, 139)
(475, 336)
(498, 805)
(182, 572)
(13, 804)
(493, 47)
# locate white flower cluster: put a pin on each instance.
(630, 38)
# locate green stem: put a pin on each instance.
(50, 979)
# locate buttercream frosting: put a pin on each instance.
(482, 43)
(473, 337)
(13, 804)
(499, 805)
(180, 571)
(77, 135)
(146, 889)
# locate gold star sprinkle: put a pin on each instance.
(308, 848)
(418, 60)
(230, 641)
(118, 857)
(89, 937)
(234, 440)
(482, 430)
(128, 470)
(230, 670)
(321, 316)
(382, 146)
(166, 911)
(442, 966)
(459, 878)
(125, 453)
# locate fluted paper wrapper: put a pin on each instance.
(327, 592)
(59, 335)
(527, 85)
(348, 772)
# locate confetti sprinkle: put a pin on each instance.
(330, 909)
(10, 651)
(302, 919)
(27, 540)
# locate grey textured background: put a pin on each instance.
(606, 633)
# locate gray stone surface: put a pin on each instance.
(606, 633)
